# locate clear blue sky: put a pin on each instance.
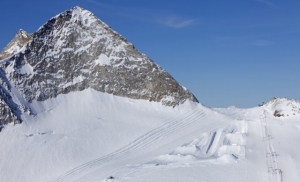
(226, 52)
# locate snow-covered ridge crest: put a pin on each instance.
(283, 107)
(74, 51)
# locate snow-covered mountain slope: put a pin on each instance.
(75, 128)
(101, 137)
(74, 51)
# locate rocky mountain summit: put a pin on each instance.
(20, 39)
(74, 51)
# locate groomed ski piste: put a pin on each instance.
(89, 136)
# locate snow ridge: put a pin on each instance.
(283, 107)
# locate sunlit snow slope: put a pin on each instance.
(89, 136)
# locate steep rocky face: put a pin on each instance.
(8, 110)
(74, 51)
(20, 39)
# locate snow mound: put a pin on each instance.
(283, 107)
(225, 144)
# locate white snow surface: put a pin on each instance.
(89, 136)
(102, 60)
(286, 107)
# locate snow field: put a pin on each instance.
(73, 129)
(89, 136)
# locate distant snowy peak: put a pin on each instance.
(20, 39)
(283, 107)
(74, 51)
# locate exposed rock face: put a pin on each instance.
(8, 110)
(74, 51)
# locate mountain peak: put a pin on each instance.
(74, 51)
(20, 39)
(23, 34)
(77, 8)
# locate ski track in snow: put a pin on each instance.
(275, 174)
(172, 126)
